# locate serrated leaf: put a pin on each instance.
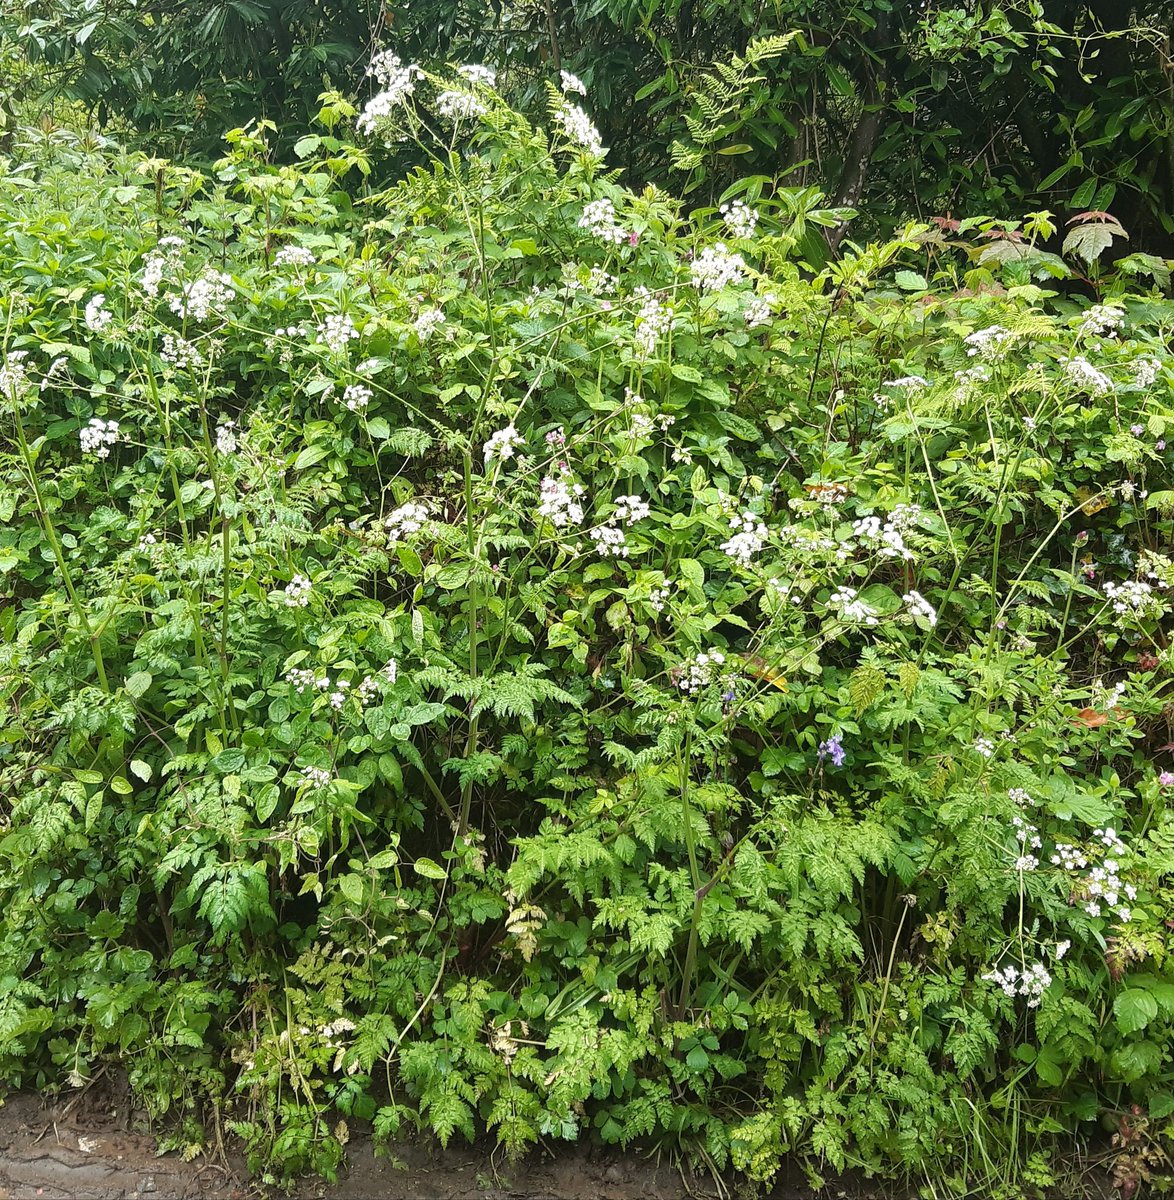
(1134, 1009)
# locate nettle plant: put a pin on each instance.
(511, 655)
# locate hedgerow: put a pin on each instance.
(509, 654)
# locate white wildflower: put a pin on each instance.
(572, 83)
(919, 607)
(98, 436)
(599, 219)
(478, 75)
(294, 256)
(226, 442)
(740, 218)
(503, 443)
(579, 129)
(336, 331)
(716, 268)
(356, 397)
(98, 316)
(428, 322)
(297, 591)
(407, 519)
(1083, 375)
(203, 297)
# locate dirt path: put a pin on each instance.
(89, 1151)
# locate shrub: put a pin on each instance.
(511, 655)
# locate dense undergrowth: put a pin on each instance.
(511, 655)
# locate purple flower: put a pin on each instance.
(833, 750)
(1166, 778)
(1137, 430)
(1159, 446)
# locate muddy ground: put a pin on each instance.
(93, 1148)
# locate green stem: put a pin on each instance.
(59, 554)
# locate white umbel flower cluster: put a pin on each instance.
(694, 675)
(203, 297)
(740, 218)
(503, 444)
(98, 436)
(1083, 375)
(852, 609)
(599, 219)
(747, 537)
(715, 268)
(98, 316)
(579, 129)
(1030, 981)
(336, 331)
(404, 521)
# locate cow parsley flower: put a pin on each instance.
(303, 680)
(297, 591)
(314, 777)
(852, 609)
(653, 321)
(404, 521)
(478, 75)
(203, 297)
(740, 218)
(14, 376)
(572, 83)
(698, 673)
(98, 316)
(1100, 321)
(1132, 596)
(179, 352)
(226, 442)
(716, 268)
(610, 541)
(1145, 371)
(98, 436)
(919, 607)
(356, 397)
(579, 129)
(1082, 374)
(560, 501)
(428, 322)
(990, 344)
(760, 310)
(747, 538)
(502, 444)
(1030, 982)
(599, 219)
(460, 106)
(630, 509)
(336, 331)
(294, 256)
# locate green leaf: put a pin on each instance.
(1134, 1009)
(310, 455)
(141, 770)
(137, 684)
(429, 869)
(409, 560)
(229, 761)
(352, 888)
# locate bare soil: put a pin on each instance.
(95, 1146)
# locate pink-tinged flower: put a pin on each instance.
(1166, 778)
(633, 238)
